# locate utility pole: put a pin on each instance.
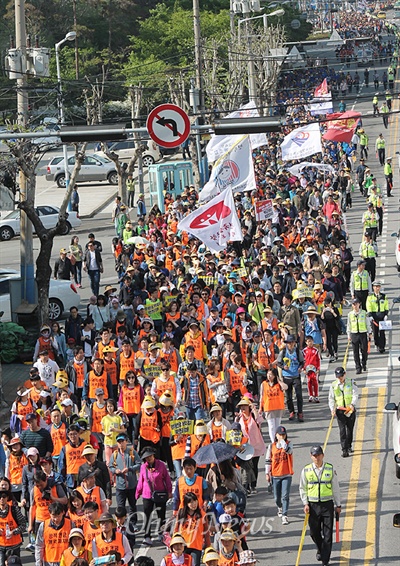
(26, 241)
(199, 84)
(136, 100)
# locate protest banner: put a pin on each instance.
(168, 299)
(152, 371)
(153, 309)
(234, 437)
(181, 426)
(263, 210)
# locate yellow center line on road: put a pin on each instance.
(350, 508)
(371, 534)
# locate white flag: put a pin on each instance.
(235, 170)
(219, 145)
(321, 105)
(302, 142)
(215, 223)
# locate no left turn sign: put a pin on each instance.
(168, 125)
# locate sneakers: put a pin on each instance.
(253, 490)
(316, 399)
(147, 541)
(300, 417)
(30, 547)
(292, 416)
(279, 511)
(285, 520)
(310, 399)
(332, 359)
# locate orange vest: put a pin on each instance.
(165, 419)
(197, 343)
(24, 410)
(46, 344)
(266, 356)
(73, 458)
(192, 531)
(228, 561)
(195, 444)
(148, 425)
(34, 395)
(90, 531)
(172, 358)
(59, 438)
(96, 381)
(94, 495)
(211, 379)
(196, 488)
(201, 311)
(216, 431)
(162, 386)
(116, 545)
(112, 370)
(178, 449)
(187, 560)
(55, 541)
(131, 399)
(270, 324)
(15, 465)
(97, 414)
(69, 557)
(78, 520)
(236, 380)
(14, 540)
(101, 346)
(125, 365)
(42, 505)
(80, 374)
(282, 462)
(273, 398)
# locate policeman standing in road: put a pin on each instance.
(363, 144)
(384, 110)
(360, 283)
(320, 494)
(343, 396)
(377, 310)
(380, 149)
(388, 172)
(358, 332)
(370, 221)
(375, 104)
(368, 252)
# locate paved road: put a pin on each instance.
(370, 489)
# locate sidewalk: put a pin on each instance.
(11, 377)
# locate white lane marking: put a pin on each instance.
(377, 377)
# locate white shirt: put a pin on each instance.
(92, 263)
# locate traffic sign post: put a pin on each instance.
(168, 125)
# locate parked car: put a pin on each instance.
(94, 168)
(397, 248)
(125, 150)
(395, 409)
(10, 224)
(47, 141)
(62, 295)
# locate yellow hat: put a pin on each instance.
(177, 539)
(228, 534)
(148, 403)
(166, 399)
(200, 428)
(210, 554)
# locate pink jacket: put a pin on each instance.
(253, 434)
(159, 477)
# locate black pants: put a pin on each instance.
(389, 184)
(166, 453)
(363, 151)
(321, 528)
(379, 212)
(346, 426)
(123, 495)
(332, 334)
(148, 507)
(359, 344)
(379, 336)
(370, 266)
(385, 119)
(5, 552)
(381, 155)
(254, 462)
(131, 198)
(362, 295)
(296, 385)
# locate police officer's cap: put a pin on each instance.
(339, 371)
(316, 450)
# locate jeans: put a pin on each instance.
(196, 414)
(94, 276)
(296, 384)
(127, 494)
(281, 487)
(77, 271)
(178, 468)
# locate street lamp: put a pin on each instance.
(70, 36)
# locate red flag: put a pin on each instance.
(341, 126)
(322, 89)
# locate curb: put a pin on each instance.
(100, 207)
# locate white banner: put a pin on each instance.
(235, 170)
(298, 168)
(219, 145)
(302, 142)
(215, 223)
(321, 105)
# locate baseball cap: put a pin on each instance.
(360, 262)
(340, 371)
(32, 451)
(355, 301)
(121, 436)
(67, 403)
(225, 518)
(99, 391)
(30, 417)
(281, 430)
(316, 450)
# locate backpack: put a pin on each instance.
(115, 456)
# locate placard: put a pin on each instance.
(209, 280)
(385, 325)
(152, 370)
(263, 210)
(234, 437)
(168, 299)
(241, 272)
(181, 426)
(303, 293)
(153, 308)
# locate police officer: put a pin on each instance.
(343, 396)
(368, 252)
(375, 104)
(358, 332)
(388, 172)
(384, 110)
(380, 149)
(363, 144)
(375, 199)
(377, 310)
(320, 494)
(388, 97)
(370, 221)
(360, 283)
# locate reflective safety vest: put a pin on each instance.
(9, 520)
(24, 410)
(131, 399)
(110, 367)
(116, 545)
(55, 540)
(187, 560)
(80, 374)
(68, 557)
(377, 303)
(73, 458)
(358, 322)
(380, 143)
(367, 250)
(319, 488)
(97, 414)
(384, 109)
(125, 365)
(376, 200)
(343, 398)
(42, 505)
(97, 381)
(148, 425)
(363, 139)
(375, 100)
(59, 438)
(273, 398)
(370, 220)
(387, 169)
(361, 281)
(15, 465)
(196, 488)
(93, 495)
(282, 462)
